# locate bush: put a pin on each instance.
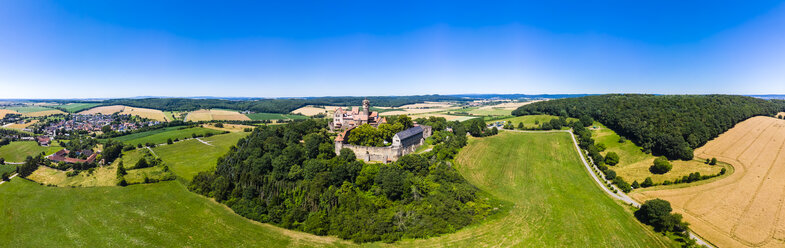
(610, 175)
(635, 184)
(601, 147)
(661, 166)
(122, 182)
(219, 125)
(623, 185)
(713, 161)
(5, 176)
(657, 213)
(722, 172)
(611, 158)
(647, 183)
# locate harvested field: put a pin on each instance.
(43, 113)
(104, 110)
(229, 127)
(744, 209)
(22, 126)
(215, 114)
(4, 112)
(152, 114)
(310, 110)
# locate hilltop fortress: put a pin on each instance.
(403, 142)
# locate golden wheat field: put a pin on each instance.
(311, 110)
(4, 112)
(152, 114)
(43, 113)
(744, 209)
(215, 115)
(104, 110)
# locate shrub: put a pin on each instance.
(722, 172)
(623, 185)
(713, 161)
(5, 176)
(635, 184)
(647, 183)
(657, 213)
(612, 158)
(601, 147)
(661, 166)
(219, 125)
(121, 182)
(169, 141)
(610, 175)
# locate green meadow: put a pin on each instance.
(76, 107)
(29, 109)
(159, 136)
(7, 168)
(530, 120)
(555, 203)
(17, 151)
(188, 158)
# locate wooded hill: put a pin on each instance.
(670, 125)
(280, 105)
(289, 175)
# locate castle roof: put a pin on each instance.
(409, 132)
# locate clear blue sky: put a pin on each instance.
(79, 49)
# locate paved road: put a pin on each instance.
(619, 195)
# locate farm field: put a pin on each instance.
(228, 127)
(7, 168)
(159, 136)
(17, 151)
(152, 114)
(310, 110)
(22, 126)
(556, 203)
(104, 110)
(188, 158)
(44, 113)
(274, 116)
(161, 214)
(634, 163)
(744, 209)
(530, 120)
(76, 107)
(4, 112)
(215, 115)
(102, 176)
(29, 109)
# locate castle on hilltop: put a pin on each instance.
(346, 119)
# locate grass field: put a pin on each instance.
(744, 209)
(187, 158)
(76, 107)
(22, 126)
(44, 113)
(634, 163)
(29, 109)
(102, 176)
(556, 203)
(150, 215)
(529, 120)
(17, 151)
(273, 116)
(159, 136)
(7, 168)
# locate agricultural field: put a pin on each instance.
(274, 116)
(554, 201)
(228, 127)
(159, 136)
(310, 110)
(76, 107)
(29, 109)
(44, 113)
(4, 112)
(161, 215)
(17, 151)
(634, 163)
(104, 110)
(187, 158)
(744, 209)
(22, 126)
(152, 114)
(101, 176)
(530, 120)
(216, 115)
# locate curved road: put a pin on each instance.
(620, 195)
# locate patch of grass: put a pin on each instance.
(188, 158)
(555, 202)
(150, 215)
(159, 136)
(530, 120)
(29, 109)
(76, 107)
(17, 151)
(274, 116)
(634, 163)
(7, 168)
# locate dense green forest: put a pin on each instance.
(280, 105)
(670, 125)
(289, 175)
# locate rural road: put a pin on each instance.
(200, 140)
(620, 195)
(9, 178)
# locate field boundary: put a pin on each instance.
(9, 178)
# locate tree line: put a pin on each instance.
(290, 176)
(669, 125)
(279, 105)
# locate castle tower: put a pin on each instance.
(366, 107)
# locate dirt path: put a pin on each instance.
(204, 142)
(151, 151)
(9, 178)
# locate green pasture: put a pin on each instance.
(159, 136)
(17, 151)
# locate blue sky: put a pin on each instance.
(80, 49)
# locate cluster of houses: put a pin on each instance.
(93, 123)
(62, 156)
